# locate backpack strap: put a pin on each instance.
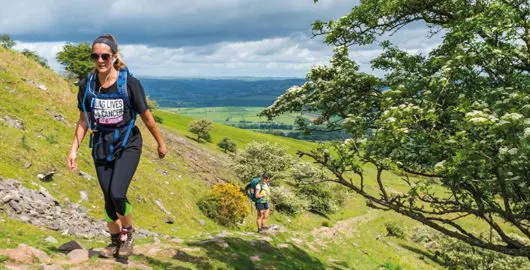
(90, 85)
(122, 88)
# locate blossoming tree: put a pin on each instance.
(454, 122)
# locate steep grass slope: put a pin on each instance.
(353, 237)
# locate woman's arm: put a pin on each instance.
(150, 123)
(80, 131)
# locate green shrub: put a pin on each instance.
(35, 57)
(202, 129)
(286, 201)
(227, 145)
(6, 41)
(259, 157)
(226, 204)
(394, 229)
(321, 198)
(455, 254)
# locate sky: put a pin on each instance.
(195, 38)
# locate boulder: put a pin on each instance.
(85, 175)
(161, 206)
(84, 195)
(14, 122)
(51, 239)
(78, 256)
(36, 84)
(70, 246)
(26, 254)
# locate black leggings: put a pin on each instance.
(114, 179)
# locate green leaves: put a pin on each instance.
(227, 145)
(6, 41)
(202, 129)
(458, 117)
(260, 157)
(35, 57)
(76, 59)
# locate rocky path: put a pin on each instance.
(41, 209)
(38, 207)
(171, 252)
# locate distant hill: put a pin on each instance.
(216, 92)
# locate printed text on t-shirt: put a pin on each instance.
(108, 111)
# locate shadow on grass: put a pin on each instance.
(319, 214)
(423, 253)
(195, 139)
(250, 254)
(158, 264)
(339, 265)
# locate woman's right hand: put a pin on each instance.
(162, 150)
(71, 160)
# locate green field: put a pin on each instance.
(230, 115)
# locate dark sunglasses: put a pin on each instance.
(104, 56)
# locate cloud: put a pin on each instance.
(47, 50)
(291, 56)
(165, 23)
(285, 57)
(197, 38)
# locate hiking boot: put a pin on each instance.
(127, 242)
(112, 249)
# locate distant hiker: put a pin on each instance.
(259, 191)
(109, 100)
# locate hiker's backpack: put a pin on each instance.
(250, 189)
(109, 135)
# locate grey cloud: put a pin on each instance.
(197, 38)
(164, 23)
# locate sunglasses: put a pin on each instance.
(104, 56)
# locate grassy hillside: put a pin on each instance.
(354, 237)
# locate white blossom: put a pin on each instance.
(527, 132)
(480, 117)
(439, 166)
(512, 116)
(512, 151)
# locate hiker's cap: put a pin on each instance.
(265, 175)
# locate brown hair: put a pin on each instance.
(119, 63)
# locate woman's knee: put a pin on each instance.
(117, 198)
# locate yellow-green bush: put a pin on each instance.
(226, 204)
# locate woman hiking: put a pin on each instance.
(263, 192)
(109, 100)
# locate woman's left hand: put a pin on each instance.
(162, 150)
